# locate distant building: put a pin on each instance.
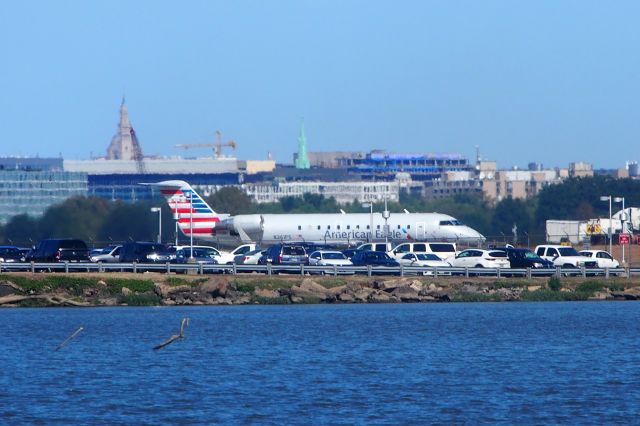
(580, 169)
(163, 165)
(343, 192)
(31, 163)
(329, 159)
(32, 192)
(124, 144)
(382, 165)
(126, 187)
(302, 160)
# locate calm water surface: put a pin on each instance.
(505, 363)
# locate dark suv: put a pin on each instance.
(145, 252)
(373, 258)
(525, 258)
(285, 254)
(59, 250)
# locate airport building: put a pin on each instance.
(343, 192)
(33, 191)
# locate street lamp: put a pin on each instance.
(622, 219)
(189, 195)
(370, 205)
(386, 215)
(159, 211)
(608, 198)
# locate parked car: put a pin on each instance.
(284, 254)
(212, 251)
(373, 258)
(429, 260)
(329, 258)
(250, 258)
(109, 254)
(11, 254)
(564, 256)
(440, 249)
(476, 258)
(59, 250)
(525, 258)
(383, 247)
(201, 256)
(227, 258)
(144, 252)
(602, 258)
(350, 252)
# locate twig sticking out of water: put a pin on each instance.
(68, 339)
(185, 322)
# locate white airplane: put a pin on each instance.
(196, 218)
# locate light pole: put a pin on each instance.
(622, 219)
(159, 211)
(189, 195)
(370, 205)
(386, 215)
(608, 198)
(176, 232)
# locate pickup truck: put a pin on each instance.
(564, 256)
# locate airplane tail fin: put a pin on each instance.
(189, 209)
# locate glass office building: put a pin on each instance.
(32, 192)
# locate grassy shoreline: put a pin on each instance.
(153, 289)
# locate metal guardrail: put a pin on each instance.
(196, 268)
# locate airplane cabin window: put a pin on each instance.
(318, 227)
(299, 228)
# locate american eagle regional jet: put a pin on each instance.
(195, 217)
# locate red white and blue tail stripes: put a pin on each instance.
(190, 210)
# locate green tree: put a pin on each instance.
(509, 212)
(231, 200)
(128, 222)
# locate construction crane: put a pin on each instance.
(137, 152)
(217, 146)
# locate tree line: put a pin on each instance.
(99, 221)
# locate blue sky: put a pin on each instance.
(544, 81)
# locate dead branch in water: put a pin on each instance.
(68, 339)
(185, 322)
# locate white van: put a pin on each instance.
(383, 247)
(442, 250)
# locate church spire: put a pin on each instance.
(302, 161)
(124, 144)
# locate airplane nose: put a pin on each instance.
(471, 235)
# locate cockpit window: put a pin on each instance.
(453, 222)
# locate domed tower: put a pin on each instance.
(124, 144)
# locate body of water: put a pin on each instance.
(324, 364)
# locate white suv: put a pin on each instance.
(564, 256)
(442, 250)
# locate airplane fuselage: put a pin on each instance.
(196, 218)
(345, 229)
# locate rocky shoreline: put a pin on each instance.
(25, 290)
